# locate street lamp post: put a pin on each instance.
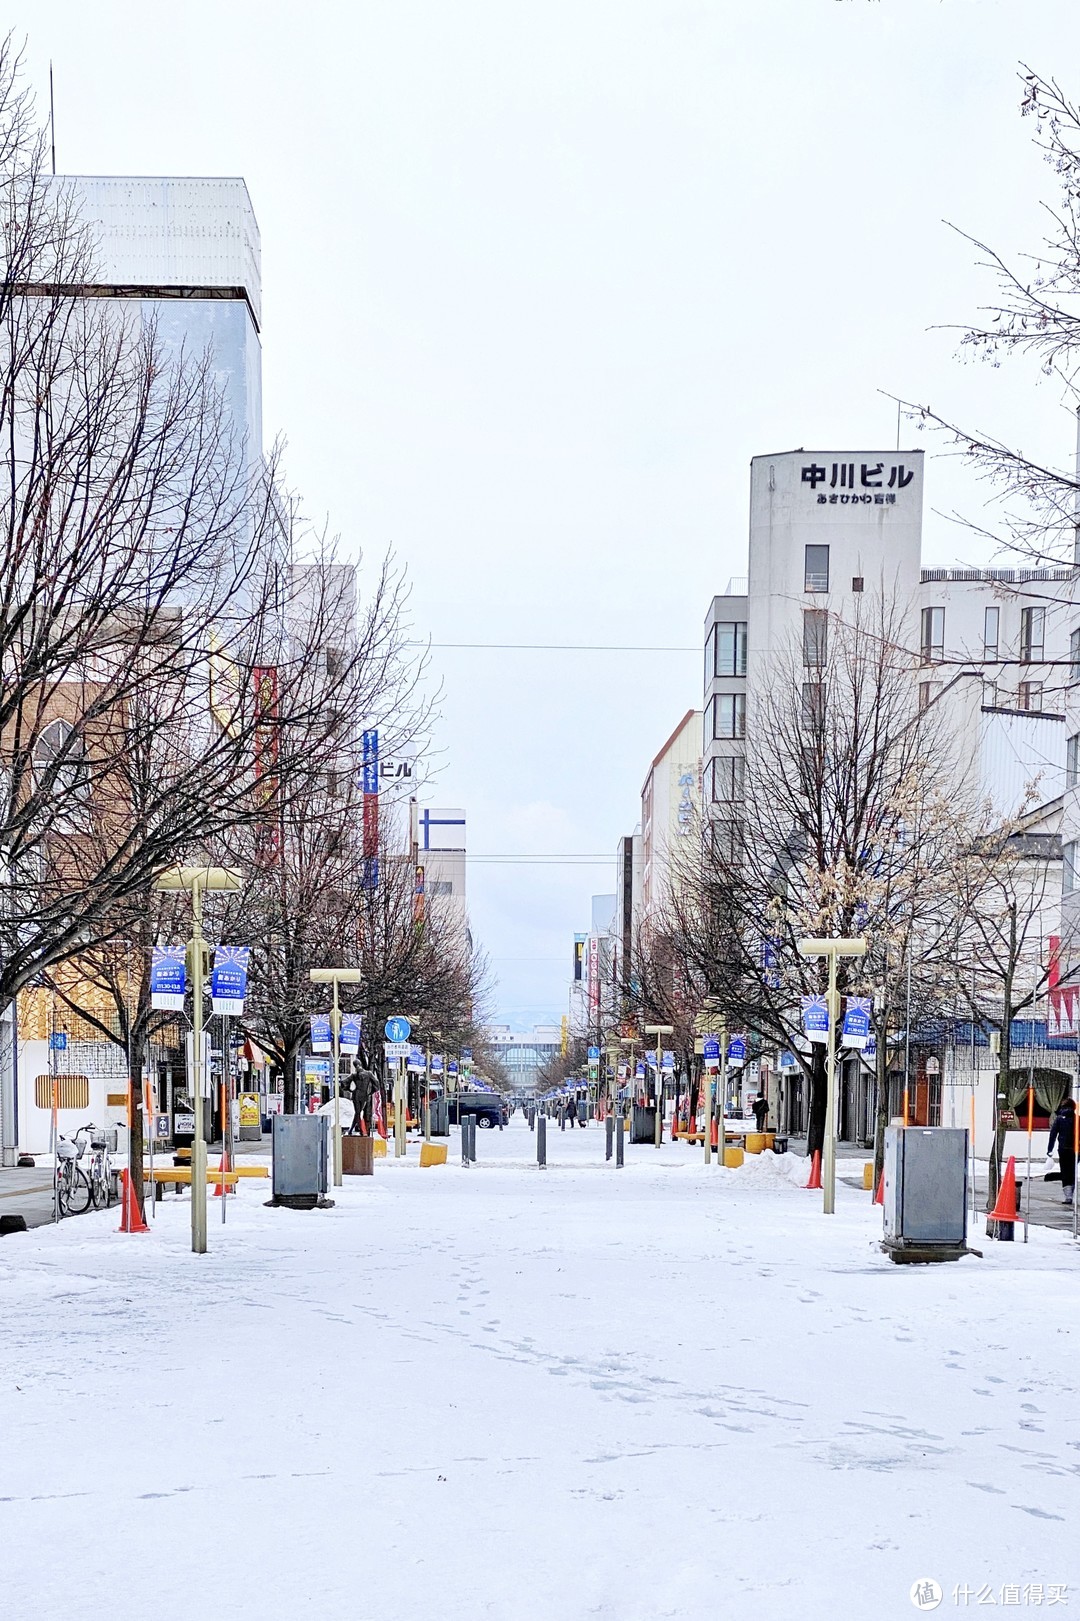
(336, 977)
(833, 950)
(659, 1030)
(196, 880)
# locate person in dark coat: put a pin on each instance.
(1063, 1133)
(761, 1111)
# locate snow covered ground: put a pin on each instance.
(512, 1393)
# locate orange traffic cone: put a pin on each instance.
(222, 1186)
(131, 1216)
(815, 1170)
(715, 1136)
(879, 1194)
(1005, 1209)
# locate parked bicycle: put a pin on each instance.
(99, 1171)
(73, 1192)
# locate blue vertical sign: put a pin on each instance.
(167, 978)
(322, 1036)
(736, 1053)
(369, 781)
(856, 1031)
(349, 1039)
(228, 981)
(815, 1017)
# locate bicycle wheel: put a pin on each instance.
(78, 1194)
(99, 1189)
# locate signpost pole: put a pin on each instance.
(198, 1141)
(427, 1098)
(721, 1133)
(337, 1088)
(829, 1156)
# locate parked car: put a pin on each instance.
(490, 1109)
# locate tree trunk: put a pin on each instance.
(815, 1130)
(288, 1077)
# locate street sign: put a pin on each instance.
(398, 1029)
(395, 1050)
(58, 1041)
(711, 1053)
(594, 1055)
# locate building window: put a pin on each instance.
(1032, 635)
(1072, 761)
(813, 703)
(990, 695)
(924, 695)
(1068, 867)
(991, 632)
(857, 583)
(728, 776)
(1030, 695)
(730, 648)
(815, 638)
(816, 570)
(933, 635)
(729, 714)
(725, 839)
(1074, 656)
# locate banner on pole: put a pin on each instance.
(349, 1042)
(228, 981)
(856, 1031)
(168, 978)
(815, 1017)
(322, 1036)
(736, 1053)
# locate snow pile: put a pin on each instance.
(767, 1170)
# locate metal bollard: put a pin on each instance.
(472, 1138)
(609, 1135)
(464, 1140)
(619, 1128)
(541, 1140)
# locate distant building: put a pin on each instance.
(670, 807)
(525, 1052)
(438, 840)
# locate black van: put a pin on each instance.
(489, 1108)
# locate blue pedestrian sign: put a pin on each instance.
(711, 1052)
(398, 1028)
(594, 1055)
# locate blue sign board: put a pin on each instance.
(349, 1040)
(856, 1029)
(398, 1028)
(736, 1052)
(815, 1017)
(711, 1051)
(58, 1041)
(322, 1036)
(415, 1059)
(466, 1055)
(667, 1063)
(452, 1068)
(639, 1070)
(228, 981)
(594, 1055)
(436, 1064)
(369, 778)
(167, 978)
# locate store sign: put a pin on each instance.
(857, 483)
(249, 1109)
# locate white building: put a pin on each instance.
(670, 806)
(438, 842)
(525, 1052)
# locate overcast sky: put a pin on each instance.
(540, 277)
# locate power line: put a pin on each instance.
(560, 647)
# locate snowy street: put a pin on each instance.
(498, 1391)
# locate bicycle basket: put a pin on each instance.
(99, 1140)
(66, 1150)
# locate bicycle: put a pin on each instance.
(99, 1172)
(73, 1191)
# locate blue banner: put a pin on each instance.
(856, 1031)
(228, 981)
(369, 777)
(711, 1052)
(452, 1067)
(667, 1063)
(416, 1060)
(168, 978)
(322, 1036)
(436, 1064)
(815, 1017)
(349, 1040)
(736, 1053)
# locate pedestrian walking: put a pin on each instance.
(1063, 1133)
(761, 1112)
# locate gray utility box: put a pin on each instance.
(926, 1188)
(300, 1153)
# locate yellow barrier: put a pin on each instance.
(378, 1147)
(868, 1175)
(754, 1142)
(432, 1154)
(733, 1158)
